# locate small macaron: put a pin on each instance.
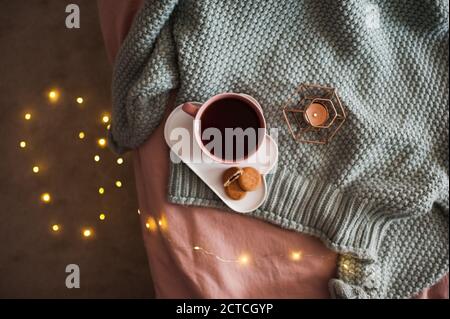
(231, 175)
(231, 185)
(250, 179)
(234, 191)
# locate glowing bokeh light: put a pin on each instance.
(53, 95)
(150, 224)
(244, 259)
(101, 142)
(296, 255)
(46, 197)
(87, 232)
(105, 118)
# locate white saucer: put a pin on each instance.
(211, 172)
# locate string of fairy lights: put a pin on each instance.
(160, 226)
(54, 96)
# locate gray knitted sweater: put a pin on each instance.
(378, 193)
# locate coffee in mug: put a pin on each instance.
(232, 126)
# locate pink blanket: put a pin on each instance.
(207, 253)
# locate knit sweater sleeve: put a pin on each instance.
(144, 73)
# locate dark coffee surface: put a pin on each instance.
(230, 113)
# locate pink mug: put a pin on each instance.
(197, 112)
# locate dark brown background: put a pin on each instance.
(37, 53)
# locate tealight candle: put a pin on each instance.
(316, 114)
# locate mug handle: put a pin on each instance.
(190, 108)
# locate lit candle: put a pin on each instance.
(316, 114)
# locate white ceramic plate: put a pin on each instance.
(211, 172)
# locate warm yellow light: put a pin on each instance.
(139, 212)
(162, 222)
(23, 144)
(97, 158)
(27, 116)
(81, 135)
(46, 198)
(118, 184)
(105, 119)
(87, 232)
(53, 95)
(150, 224)
(296, 255)
(119, 161)
(36, 169)
(101, 190)
(80, 100)
(244, 259)
(108, 127)
(55, 227)
(101, 142)
(102, 216)
(196, 248)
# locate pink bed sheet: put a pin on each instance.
(207, 253)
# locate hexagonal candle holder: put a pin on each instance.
(314, 114)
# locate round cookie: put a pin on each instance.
(231, 175)
(231, 185)
(234, 191)
(250, 179)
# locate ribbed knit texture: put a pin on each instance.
(383, 178)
